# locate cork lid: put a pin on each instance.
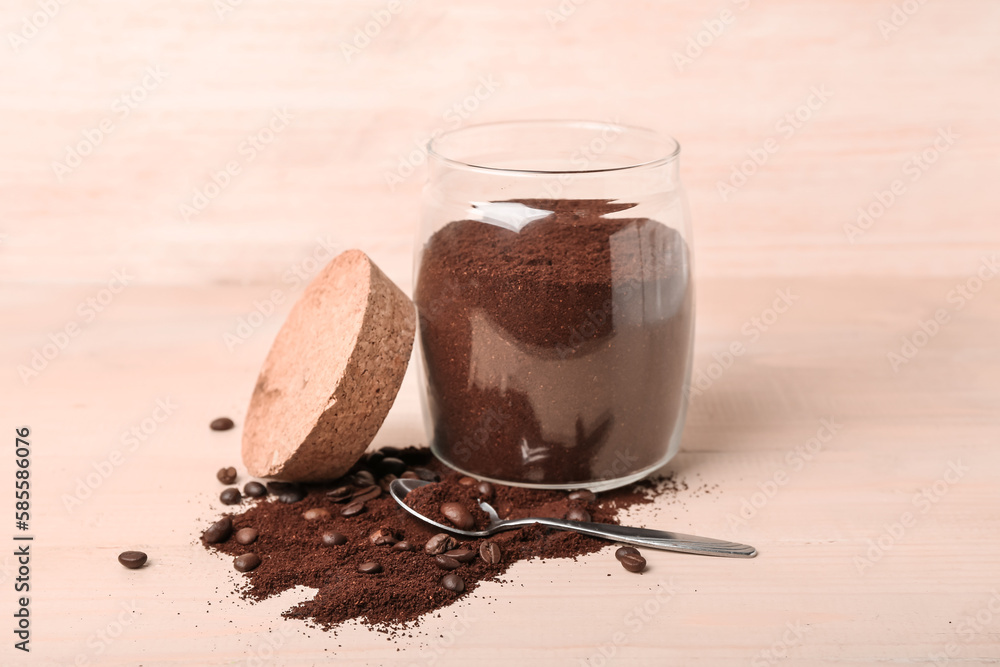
(331, 375)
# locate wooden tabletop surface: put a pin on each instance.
(172, 172)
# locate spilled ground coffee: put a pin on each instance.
(379, 564)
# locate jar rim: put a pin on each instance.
(663, 148)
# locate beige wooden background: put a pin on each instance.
(172, 91)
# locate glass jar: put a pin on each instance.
(555, 302)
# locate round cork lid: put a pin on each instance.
(331, 375)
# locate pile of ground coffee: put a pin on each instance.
(556, 353)
(373, 563)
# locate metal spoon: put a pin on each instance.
(642, 537)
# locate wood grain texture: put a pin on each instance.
(838, 581)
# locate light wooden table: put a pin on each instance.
(869, 485)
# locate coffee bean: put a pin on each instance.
(409, 474)
(391, 451)
(440, 543)
(363, 478)
(458, 515)
(133, 560)
(633, 562)
(367, 493)
(353, 509)
(246, 562)
(486, 491)
(490, 553)
(626, 551)
(287, 492)
(578, 514)
(374, 459)
(583, 496)
(340, 494)
(386, 481)
(453, 582)
(371, 567)
(246, 535)
(415, 457)
(254, 490)
(316, 514)
(221, 424)
(280, 487)
(403, 546)
(231, 496)
(218, 531)
(226, 475)
(427, 474)
(333, 539)
(462, 555)
(293, 496)
(446, 562)
(384, 537)
(468, 481)
(391, 466)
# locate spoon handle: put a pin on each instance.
(643, 537)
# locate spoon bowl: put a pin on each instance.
(642, 537)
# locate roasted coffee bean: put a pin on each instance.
(412, 456)
(458, 515)
(221, 424)
(427, 474)
(583, 496)
(486, 491)
(230, 496)
(226, 475)
(409, 474)
(340, 494)
(363, 478)
(286, 491)
(373, 459)
(384, 537)
(626, 551)
(384, 482)
(219, 531)
(633, 562)
(490, 553)
(440, 543)
(453, 582)
(367, 493)
(391, 466)
(446, 562)
(403, 546)
(246, 562)
(246, 535)
(462, 555)
(578, 514)
(333, 539)
(371, 567)
(316, 514)
(353, 509)
(133, 560)
(254, 490)
(293, 496)
(391, 451)
(468, 481)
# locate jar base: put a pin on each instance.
(596, 486)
